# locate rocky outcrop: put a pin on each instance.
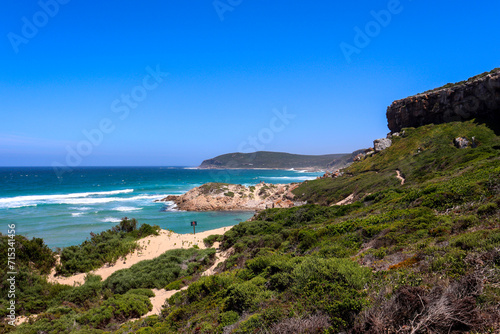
(381, 144)
(463, 142)
(478, 97)
(228, 197)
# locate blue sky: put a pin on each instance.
(84, 82)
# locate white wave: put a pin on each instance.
(15, 205)
(302, 178)
(77, 214)
(81, 208)
(170, 207)
(126, 208)
(31, 200)
(191, 168)
(110, 220)
(94, 200)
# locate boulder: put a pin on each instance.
(381, 144)
(461, 142)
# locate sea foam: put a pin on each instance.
(110, 220)
(126, 208)
(74, 198)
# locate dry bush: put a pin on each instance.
(416, 310)
(311, 325)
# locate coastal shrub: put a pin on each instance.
(343, 271)
(160, 271)
(244, 297)
(33, 260)
(176, 285)
(227, 318)
(29, 253)
(127, 225)
(85, 294)
(487, 209)
(117, 309)
(143, 292)
(211, 239)
(105, 247)
(229, 194)
(146, 230)
(207, 285)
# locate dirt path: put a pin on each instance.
(400, 177)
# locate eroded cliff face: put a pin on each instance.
(478, 97)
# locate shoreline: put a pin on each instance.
(150, 248)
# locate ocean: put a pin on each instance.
(64, 211)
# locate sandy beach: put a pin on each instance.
(151, 247)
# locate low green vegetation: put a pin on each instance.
(98, 306)
(32, 260)
(159, 272)
(386, 263)
(211, 239)
(423, 257)
(102, 248)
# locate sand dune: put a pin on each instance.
(151, 247)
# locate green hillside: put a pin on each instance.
(279, 160)
(422, 257)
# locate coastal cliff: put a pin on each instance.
(477, 97)
(226, 197)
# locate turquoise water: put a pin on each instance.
(63, 211)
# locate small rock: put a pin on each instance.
(381, 144)
(359, 157)
(473, 144)
(393, 134)
(461, 142)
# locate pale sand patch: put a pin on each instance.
(159, 299)
(219, 258)
(151, 247)
(22, 319)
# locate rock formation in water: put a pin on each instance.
(227, 197)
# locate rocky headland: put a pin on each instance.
(477, 97)
(227, 197)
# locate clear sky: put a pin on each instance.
(85, 82)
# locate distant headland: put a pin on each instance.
(279, 160)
